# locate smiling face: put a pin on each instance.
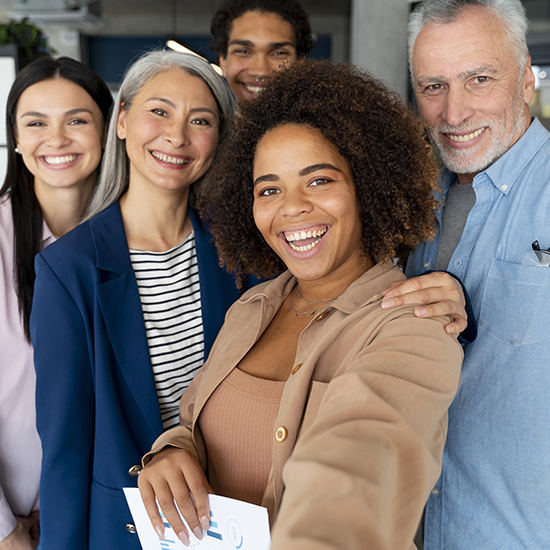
(59, 133)
(470, 90)
(306, 207)
(260, 43)
(171, 131)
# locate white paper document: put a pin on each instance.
(234, 524)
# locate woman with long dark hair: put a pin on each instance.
(55, 120)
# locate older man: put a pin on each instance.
(473, 81)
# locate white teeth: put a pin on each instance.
(303, 248)
(300, 236)
(254, 89)
(466, 137)
(60, 160)
(170, 160)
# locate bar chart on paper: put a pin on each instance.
(171, 541)
(234, 525)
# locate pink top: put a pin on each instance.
(20, 450)
(237, 424)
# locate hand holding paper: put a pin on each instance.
(169, 480)
(234, 525)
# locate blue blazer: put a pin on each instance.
(97, 405)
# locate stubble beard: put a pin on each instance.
(469, 161)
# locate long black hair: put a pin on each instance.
(19, 182)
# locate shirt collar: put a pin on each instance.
(47, 236)
(361, 292)
(509, 168)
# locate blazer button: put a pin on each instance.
(135, 470)
(131, 528)
(322, 316)
(280, 434)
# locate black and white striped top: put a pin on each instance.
(169, 290)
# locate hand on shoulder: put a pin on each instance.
(440, 292)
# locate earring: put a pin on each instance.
(17, 149)
(119, 133)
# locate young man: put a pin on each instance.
(255, 38)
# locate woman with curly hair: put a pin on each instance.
(316, 402)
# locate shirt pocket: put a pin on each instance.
(515, 308)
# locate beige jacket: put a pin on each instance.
(358, 441)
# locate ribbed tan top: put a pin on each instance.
(237, 424)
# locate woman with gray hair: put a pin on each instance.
(128, 304)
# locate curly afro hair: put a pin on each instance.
(373, 130)
(289, 10)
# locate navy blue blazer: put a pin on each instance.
(97, 406)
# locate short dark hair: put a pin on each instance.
(382, 141)
(19, 182)
(289, 10)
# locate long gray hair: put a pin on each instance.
(115, 167)
(511, 13)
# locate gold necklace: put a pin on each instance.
(312, 312)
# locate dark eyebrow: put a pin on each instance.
(173, 105)
(314, 167)
(77, 111)
(68, 113)
(267, 177)
(276, 45)
(250, 44)
(304, 172)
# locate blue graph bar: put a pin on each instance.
(214, 535)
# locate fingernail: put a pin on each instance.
(420, 311)
(184, 537)
(387, 304)
(449, 330)
(198, 532)
(388, 295)
(160, 531)
(205, 522)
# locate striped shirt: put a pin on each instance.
(169, 290)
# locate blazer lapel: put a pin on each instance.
(120, 305)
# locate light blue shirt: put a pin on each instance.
(494, 491)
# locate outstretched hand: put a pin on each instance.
(176, 475)
(440, 292)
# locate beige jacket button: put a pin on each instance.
(135, 470)
(131, 528)
(280, 434)
(296, 368)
